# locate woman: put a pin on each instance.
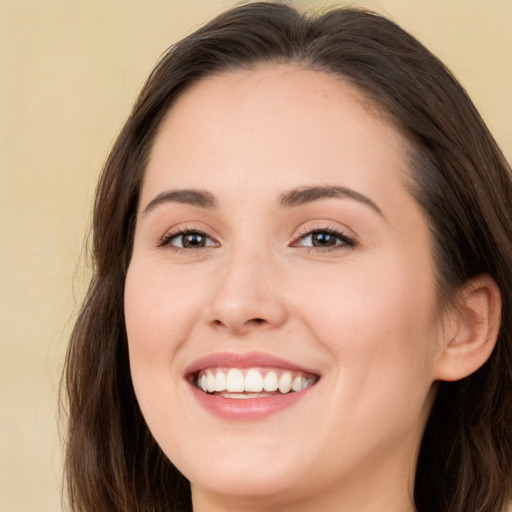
(302, 292)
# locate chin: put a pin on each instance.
(255, 471)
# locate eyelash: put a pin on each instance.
(343, 242)
(167, 239)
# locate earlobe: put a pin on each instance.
(474, 327)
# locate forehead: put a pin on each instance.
(272, 89)
(274, 120)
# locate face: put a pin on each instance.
(276, 246)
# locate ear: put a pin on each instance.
(472, 329)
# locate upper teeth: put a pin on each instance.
(254, 380)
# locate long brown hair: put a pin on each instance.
(458, 176)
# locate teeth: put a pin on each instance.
(285, 382)
(220, 381)
(235, 382)
(255, 381)
(297, 384)
(210, 380)
(271, 382)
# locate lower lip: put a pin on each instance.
(247, 408)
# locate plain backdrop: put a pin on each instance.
(69, 72)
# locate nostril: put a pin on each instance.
(253, 321)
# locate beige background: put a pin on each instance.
(69, 72)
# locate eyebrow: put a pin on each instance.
(289, 199)
(303, 195)
(193, 197)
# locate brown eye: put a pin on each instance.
(325, 239)
(189, 240)
(192, 240)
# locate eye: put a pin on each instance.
(188, 240)
(324, 239)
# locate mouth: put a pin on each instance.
(248, 386)
(244, 383)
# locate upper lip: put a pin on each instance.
(245, 360)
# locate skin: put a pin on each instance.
(362, 316)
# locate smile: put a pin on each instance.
(250, 386)
(246, 383)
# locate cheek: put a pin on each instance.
(158, 313)
(384, 298)
(378, 328)
(159, 319)
(376, 320)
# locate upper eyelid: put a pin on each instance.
(330, 226)
(304, 230)
(188, 227)
(180, 231)
(346, 240)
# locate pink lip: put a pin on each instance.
(248, 408)
(246, 360)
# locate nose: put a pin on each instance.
(248, 296)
